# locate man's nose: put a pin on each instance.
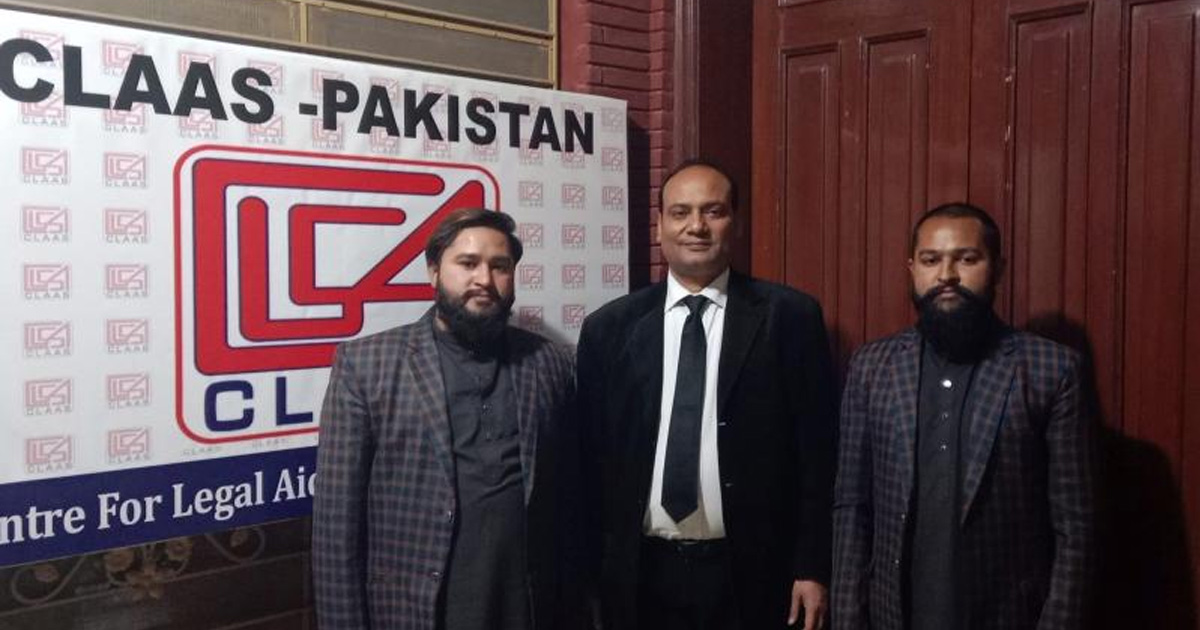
(948, 272)
(482, 276)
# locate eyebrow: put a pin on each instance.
(956, 250)
(475, 256)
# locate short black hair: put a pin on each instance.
(446, 231)
(964, 210)
(689, 163)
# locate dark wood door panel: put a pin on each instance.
(1049, 201)
(858, 127)
(1160, 364)
(1160, 207)
(811, 149)
(896, 162)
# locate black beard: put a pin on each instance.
(963, 334)
(483, 332)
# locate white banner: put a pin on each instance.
(194, 225)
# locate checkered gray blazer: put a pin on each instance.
(385, 499)
(1027, 515)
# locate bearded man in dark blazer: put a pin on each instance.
(710, 414)
(444, 483)
(965, 496)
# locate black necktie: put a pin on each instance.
(681, 471)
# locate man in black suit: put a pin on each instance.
(966, 487)
(711, 414)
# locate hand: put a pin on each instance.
(813, 598)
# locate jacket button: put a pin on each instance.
(727, 484)
(722, 423)
(437, 575)
(904, 517)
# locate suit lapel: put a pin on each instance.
(642, 356)
(425, 372)
(744, 313)
(527, 391)
(906, 378)
(989, 397)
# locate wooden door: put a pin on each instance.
(1084, 147)
(1158, 199)
(1075, 123)
(859, 124)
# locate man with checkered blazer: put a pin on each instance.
(443, 491)
(965, 494)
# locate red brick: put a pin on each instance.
(636, 5)
(619, 58)
(619, 77)
(661, 120)
(660, 80)
(640, 116)
(661, 40)
(661, 100)
(661, 21)
(616, 16)
(660, 139)
(634, 40)
(659, 60)
(658, 133)
(635, 98)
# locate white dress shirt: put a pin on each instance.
(707, 521)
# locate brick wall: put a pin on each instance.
(623, 49)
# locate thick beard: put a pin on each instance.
(480, 332)
(964, 334)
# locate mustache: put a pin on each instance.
(929, 296)
(491, 292)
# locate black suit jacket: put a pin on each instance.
(776, 410)
(1027, 511)
(383, 514)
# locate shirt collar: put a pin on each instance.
(717, 291)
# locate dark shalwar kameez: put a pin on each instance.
(486, 586)
(932, 576)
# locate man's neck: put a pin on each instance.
(694, 284)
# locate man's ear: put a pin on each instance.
(433, 274)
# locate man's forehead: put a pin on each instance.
(479, 241)
(943, 232)
(695, 174)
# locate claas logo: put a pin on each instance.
(281, 255)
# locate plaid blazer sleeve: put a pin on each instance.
(1071, 453)
(339, 505)
(852, 504)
